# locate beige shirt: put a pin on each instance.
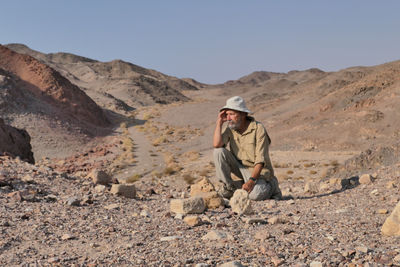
(251, 147)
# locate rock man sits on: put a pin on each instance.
(242, 148)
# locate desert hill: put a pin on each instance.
(350, 109)
(116, 85)
(55, 112)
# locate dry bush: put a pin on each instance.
(289, 172)
(172, 169)
(334, 163)
(191, 155)
(299, 178)
(308, 165)
(133, 178)
(313, 172)
(189, 179)
(160, 140)
(324, 173)
(282, 177)
(296, 166)
(204, 172)
(156, 174)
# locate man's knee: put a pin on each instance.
(261, 191)
(219, 151)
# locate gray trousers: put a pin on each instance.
(226, 163)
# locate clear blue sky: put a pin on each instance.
(211, 41)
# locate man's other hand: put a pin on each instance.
(248, 186)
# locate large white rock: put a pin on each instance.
(240, 202)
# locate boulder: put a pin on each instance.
(187, 205)
(99, 177)
(206, 190)
(391, 227)
(240, 202)
(192, 220)
(126, 190)
(15, 142)
(204, 185)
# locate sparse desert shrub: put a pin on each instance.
(299, 178)
(289, 172)
(156, 174)
(324, 173)
(282, 177)
(334, 163)
(296, 166)
(308, 165)
(160, 140)
(313, 172)
(133, 178)
(204, 172)
(189, 179)
(191, 155)
(148, 116)
(123, 125)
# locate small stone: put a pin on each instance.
(202, 265)
(192, 220)
(67, 237)
(73, 201)
(99, 177)
(254, 220)
(262, 235)
(383, 211)
(231, 264)
(366, 179)
(53, 260)
(100, 188)
(277, 261)
(240, 202)
(217, 235)
(27, 179)
(170, 238)
(112, 206)
(390, 185)
(274, 220)
(125, 190)
(375, 192)
(179, 216)
(396, 259)
(145, 213)
(188, 205)
(362, 249)
(311, 187)
(316, 264)
(291, 201)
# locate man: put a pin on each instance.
(248, 154)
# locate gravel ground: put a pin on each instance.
(50, 218)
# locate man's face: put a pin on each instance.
(234, 118)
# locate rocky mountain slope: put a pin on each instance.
(116, 85)
(350, 109)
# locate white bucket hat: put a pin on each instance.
(236, 103)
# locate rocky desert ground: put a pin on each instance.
(122, 164)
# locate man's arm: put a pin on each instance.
(249, 185)
(217, 140)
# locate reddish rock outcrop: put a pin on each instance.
(15, 142)
(52, 87)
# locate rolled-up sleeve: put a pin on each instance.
(226, 136)
(262, 145)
